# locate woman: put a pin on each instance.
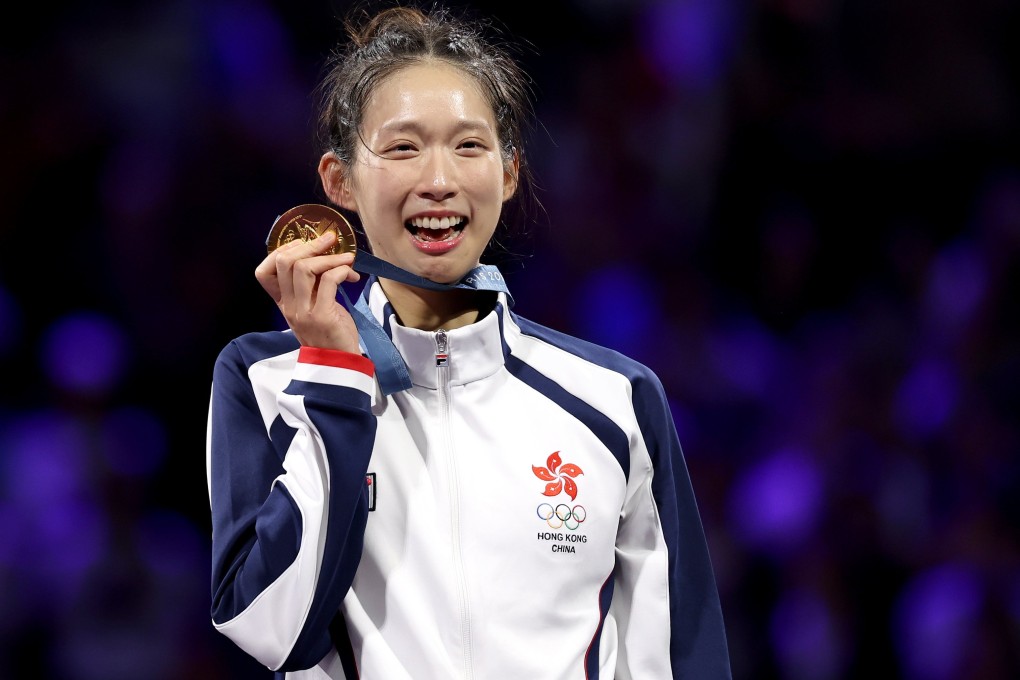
(516, 504)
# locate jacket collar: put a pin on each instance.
(474, 352)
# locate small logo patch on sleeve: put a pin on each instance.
(370, 484)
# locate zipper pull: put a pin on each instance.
(442, 356)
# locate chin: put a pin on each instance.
(444, 272)
(444, 275)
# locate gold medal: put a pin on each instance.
(309, 221)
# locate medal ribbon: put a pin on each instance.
(389, 365)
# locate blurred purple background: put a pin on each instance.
(803, 214)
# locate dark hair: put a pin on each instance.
(397, 37)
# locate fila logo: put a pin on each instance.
(370, 484)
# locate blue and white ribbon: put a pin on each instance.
(389, 365)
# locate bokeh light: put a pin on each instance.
(776, 503)
(804, 632)
(935, 621)
(85, 353)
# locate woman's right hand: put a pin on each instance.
(303, 282)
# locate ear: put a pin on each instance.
(510, 170)
(336, 181)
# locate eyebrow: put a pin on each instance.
(418, 127)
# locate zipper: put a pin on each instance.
(443, 383)
(442, 353)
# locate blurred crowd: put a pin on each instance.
(804, 215)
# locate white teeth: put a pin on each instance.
(436, 222)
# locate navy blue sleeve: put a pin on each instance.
(698, 647)
(288, 498)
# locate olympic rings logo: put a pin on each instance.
(562, 515)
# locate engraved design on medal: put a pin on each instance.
(309, 221)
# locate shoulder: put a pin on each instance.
(640, 376)
(251, 348)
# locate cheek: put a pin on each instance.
(489, 181)
(377, 189)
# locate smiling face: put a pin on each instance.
(428, 181)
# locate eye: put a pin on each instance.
(472, 146)
(400, 150)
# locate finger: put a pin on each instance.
(318, 265)
(307, 274)
(285, 274)
(294, 251)
(267, 272)
(266, 275)
(299, 265)
(287, 258)
(324, 242)
(343, 332)
(317, 246)
(330, 280)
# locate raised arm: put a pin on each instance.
(288, 446)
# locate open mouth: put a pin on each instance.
(433, 229)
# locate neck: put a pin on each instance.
(429, 310)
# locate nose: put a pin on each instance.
(438, 180)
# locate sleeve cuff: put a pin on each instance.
(336, 358)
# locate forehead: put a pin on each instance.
(431, 90)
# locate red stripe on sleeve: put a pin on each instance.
(336, 358)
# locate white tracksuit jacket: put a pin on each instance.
(523, 512)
